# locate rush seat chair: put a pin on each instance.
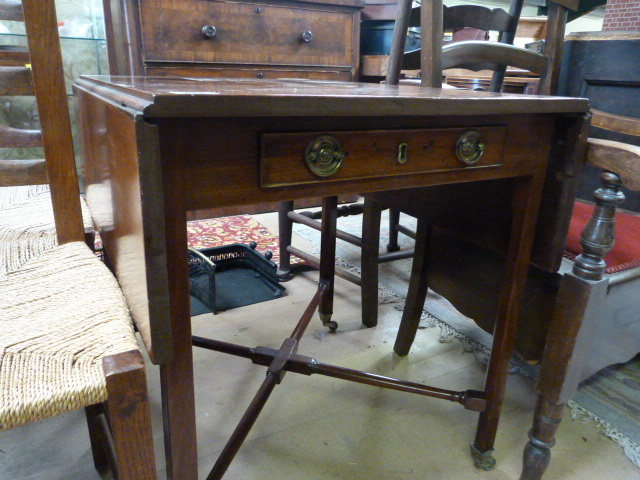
(67, 341)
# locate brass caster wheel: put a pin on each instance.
(333, 325)
(482, 460)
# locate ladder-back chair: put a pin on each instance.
(596, 303)
(463, 16)
(67, 339)
(27, 225)
(422, 203)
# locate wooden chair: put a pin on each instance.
(595, 309)
(27, 226)
(473, 55)
(67, 339)
(473, 16)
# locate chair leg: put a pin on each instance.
(573, 336)
(328, 258)
(130, 416)
(285, 228)
(394, 220)
(417, 293)
(99, 437)
(369, 261)
(537, 453)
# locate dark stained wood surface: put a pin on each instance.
(149, 37)
(374, 153)
(117, 130)
(132, 242)
(459, 55)
(261, 71)
(475, 16)
(172, 32)
(175, 145)
(161, 96)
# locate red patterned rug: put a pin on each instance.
(215, 232)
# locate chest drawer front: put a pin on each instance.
(366, 154)
(255, 72)
(246, 33)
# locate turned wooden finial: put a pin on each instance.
(599, 235)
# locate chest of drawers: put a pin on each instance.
(316, 39)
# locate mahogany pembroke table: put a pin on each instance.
(156, 148)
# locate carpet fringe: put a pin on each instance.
(631, 449)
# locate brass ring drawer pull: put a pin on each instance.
(209, 31)
(469, 148)
(324, 156)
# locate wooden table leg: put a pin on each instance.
(328, 258)
(176, 377)
(369, 256)
(525, 211)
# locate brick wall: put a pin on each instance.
(622, 15)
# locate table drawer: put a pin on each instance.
(247, 33)
(299, 158)
(253, 72)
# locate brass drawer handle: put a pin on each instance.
(324, 156)
(209, 31)
(469, 148)
(307, 36)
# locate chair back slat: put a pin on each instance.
(11, 10)
(13, 55)
(19, 137)
(23, 172)
(615, 123)
(475, 16)
(478, 55)
(617, 157)
(16, 81)
(613, 156)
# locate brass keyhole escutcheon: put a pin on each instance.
(402, 153)
(469, 148)
(324, 156)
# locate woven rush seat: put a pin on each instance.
(27, 227)
(60, 314)
(17, 194)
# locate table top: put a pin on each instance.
(162, 130)
(169, 97)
